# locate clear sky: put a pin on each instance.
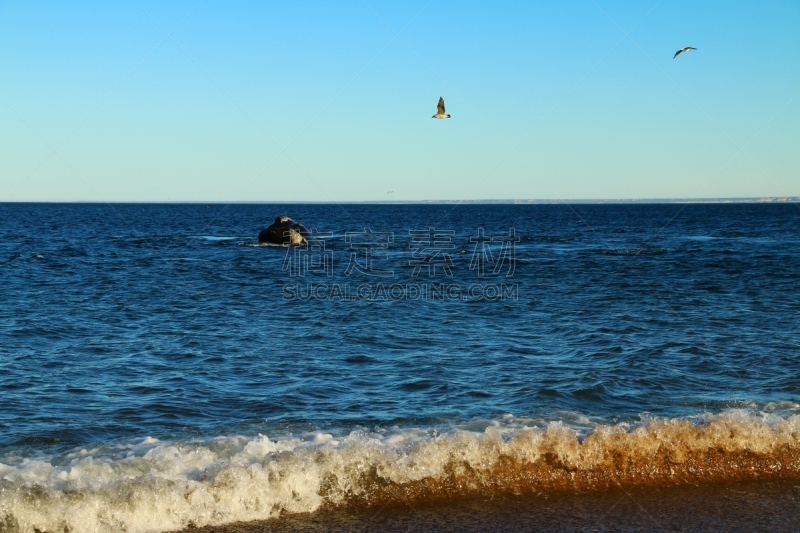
(332, 101)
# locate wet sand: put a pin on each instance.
(741, 507)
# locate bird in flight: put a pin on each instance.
(389, 192)
(440, 110)
(684, 49)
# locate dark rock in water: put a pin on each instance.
(284, 231)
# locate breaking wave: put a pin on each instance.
(151, 485)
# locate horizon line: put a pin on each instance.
(543, 201)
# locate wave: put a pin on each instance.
(151, 485)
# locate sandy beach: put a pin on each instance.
(754, 506)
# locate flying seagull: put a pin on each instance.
(389, 192)
(440, 110)
(685, 49)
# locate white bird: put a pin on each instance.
(440, 110)
(684, 49)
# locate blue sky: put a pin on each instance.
(331, 101)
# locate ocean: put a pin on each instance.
(162, 370)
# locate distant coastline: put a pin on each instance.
(763, 200)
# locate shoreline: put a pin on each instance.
(744, 506)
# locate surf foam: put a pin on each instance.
(151, 485)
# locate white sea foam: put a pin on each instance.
(151, 485)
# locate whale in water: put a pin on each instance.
(284, 231)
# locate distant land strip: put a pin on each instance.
(763, 200)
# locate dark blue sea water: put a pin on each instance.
(164, 343)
